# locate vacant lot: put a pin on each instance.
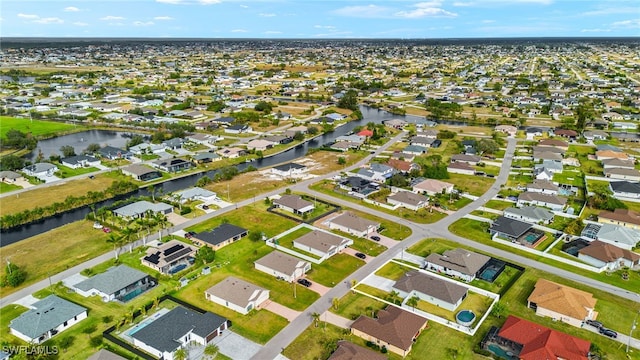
(474, 185)
(334, 270)
(36, 127)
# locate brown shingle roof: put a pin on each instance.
(350, 351)
(281, 262)
(293, 202)
(353, 221)
(410, 198)
(623, 215)
(236, 291)
(431, 285)
(461, 260)
(534, 196)
(393, 326)
(320, 240)
(608, 253)
(562, 299)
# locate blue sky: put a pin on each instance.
(319, 18)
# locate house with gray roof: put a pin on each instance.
(414, 150)
(194, 194)
(622, 174)
(289, 169)
(553, 202)
(510, 229)
(433, 289)
(172, 165)
(220, 236)
(625, 189)
(543, 186)
(237, 294)
(321, 243)
(353, 224)
(46, 318)
(40, 170)
(80, 161)
(176, 329)
(118, 283)
(459, 263)
(619, 236)
(206, 157)
(9, 176)
(113, 153)
(409, 200)
(141, 208)
(294, 204)
(530, 214)
(141, 172)
(553, 166)
(282, 266)
(168, 256)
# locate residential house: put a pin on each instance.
(395, 123)
(113, 153)
(592, 135)
(543, 174)
(404, 167)
(393, 328)
(349, 351)
(102, 354)
(610, 154)
(422, 141)
(238, 129)
(620, 236)
(118, 283)
(566, 133)
(543, 186)
(622, 217)
(205, 157)
(562, 303)
(539, 342)
(177, 329)
(220, 236)
(553, 202)
(618, 163)
(507, 228)
(608, 257)
(552, 166)
(409, 200)
(141, 208)
(545, 155)
(80, 161)
(141, 172)
(294, 204)
(166, 256)
(358, 186)
(173, 144)
(238, 295)
(415, 150)
(554, 143)
(194, 194)
(344, 145)
(202, 139)
(322, 244)
(472, 160)
(507, 129)
(459, 263)
(259, 145)
(460, 168)
(279, 139)
(224, 121)
(9, 176)
(353, 138)
(377, 172)
(289, 170)
(40, 170)
(436, 290)
(428, 133)
(353, 224)
(231, 152)
(432, 187)
(530, 214)
(283, 266)
(46, 318)
(172, 165)
(146, 148)
(625, 189)
(622, 174)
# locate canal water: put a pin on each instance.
(115, 138)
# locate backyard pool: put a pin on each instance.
(492, 270)
(507, 355)
(532, 238)
(177, 268)
(465, 317)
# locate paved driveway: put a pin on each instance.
(320, 289)
(353, 252)
(236, 346)
(281, 310)
(379, 282)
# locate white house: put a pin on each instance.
(40, 170)
(444, 293)
(294, 204)
(409, 200)
(530, 214)
(321, 243)
(608, 257)
(458, 262)
(237, 294)
(353, 224)
(432, 187)
(120, 283)
(195, 194)
(283, 266)
(289, 170)
(80, 161)
(46, 318)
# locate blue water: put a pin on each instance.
(131, 295)
(466, 316)
(500, 352)
(177, 268)
(488, 274)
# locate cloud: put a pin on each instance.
(488, 21)
(28, 16)
(162, 18)
(142, 23)
(629, 24)
(80, 23)
(425, 9)
(462, 4)
(272, 32)
(609, 11)
(189, 2)
(244, 6)
(239, 31)
(111, 18)
(324, 27)
(267, 14)
(363, 11)
(71, 9)
(594, 30)
(209, 2)
(49, 20)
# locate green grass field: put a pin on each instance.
(334, 269)
(4, 187)
(35, 127)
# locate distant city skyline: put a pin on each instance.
(319, 19)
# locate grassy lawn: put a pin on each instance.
(373, 291)
(485, 214)
(475, 302)
(74, 243)
(568, 177)
(254, 218)
(43, 196)
(4, 187)
(287, 240)
(472, 229)
(392, 270)
(334, 269)
(498, 204)
(67, 172)
(355, 304)
(519, 179)
(35, 127)
(559, 222)
(245, 186)
(474, 185)
(366, 246)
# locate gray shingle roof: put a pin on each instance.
(511, 227)
(161, 333)
(221, 233)
(236, 291)
(431, 285)
(46, 314)
(461, 260)
(141, 207)
(112, 280)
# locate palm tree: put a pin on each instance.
(413, 302)
(152, 190)
(335, 302)
(127, 237)
(162, 221)
(211, 351)
(316, 318)
(181, 354)
(394, 296)
(116, 240)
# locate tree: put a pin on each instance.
(487, 146)
(15, 275)
(116, 240)
(206, 254)
(335, 302)
(11, 162)
(312, 130)
(127, 237)
(135, 140)
(203, 181)
(298, 136)
(316, 318)
(92, 148)
(264, 106)
(211, 351)
(398, 180)
(255, 236)
(181, 354)
(394, 295)
(413, 302)
(349, 101)
(67, 151)
(453, 353)
(66, 342)
(341, 160)
(498, 309)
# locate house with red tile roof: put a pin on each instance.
(539, 342)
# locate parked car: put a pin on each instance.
(187, 236)
(106, 229)
(304, 282)
(375, 238)
(608, 332)
(594, 323)
(361, 256)
(205, 207)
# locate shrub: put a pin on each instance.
(185, 210)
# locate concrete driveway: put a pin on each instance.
(235, 346)
(353, 252)
(281, 310)
(320, 289)
(384, 240)
(379, 282)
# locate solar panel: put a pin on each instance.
(173, 249)
(177, 255)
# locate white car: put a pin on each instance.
(97, 225)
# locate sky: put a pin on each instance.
(316, 19)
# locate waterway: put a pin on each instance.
(16, 234)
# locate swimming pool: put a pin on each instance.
(177, 268)
(500, 352)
